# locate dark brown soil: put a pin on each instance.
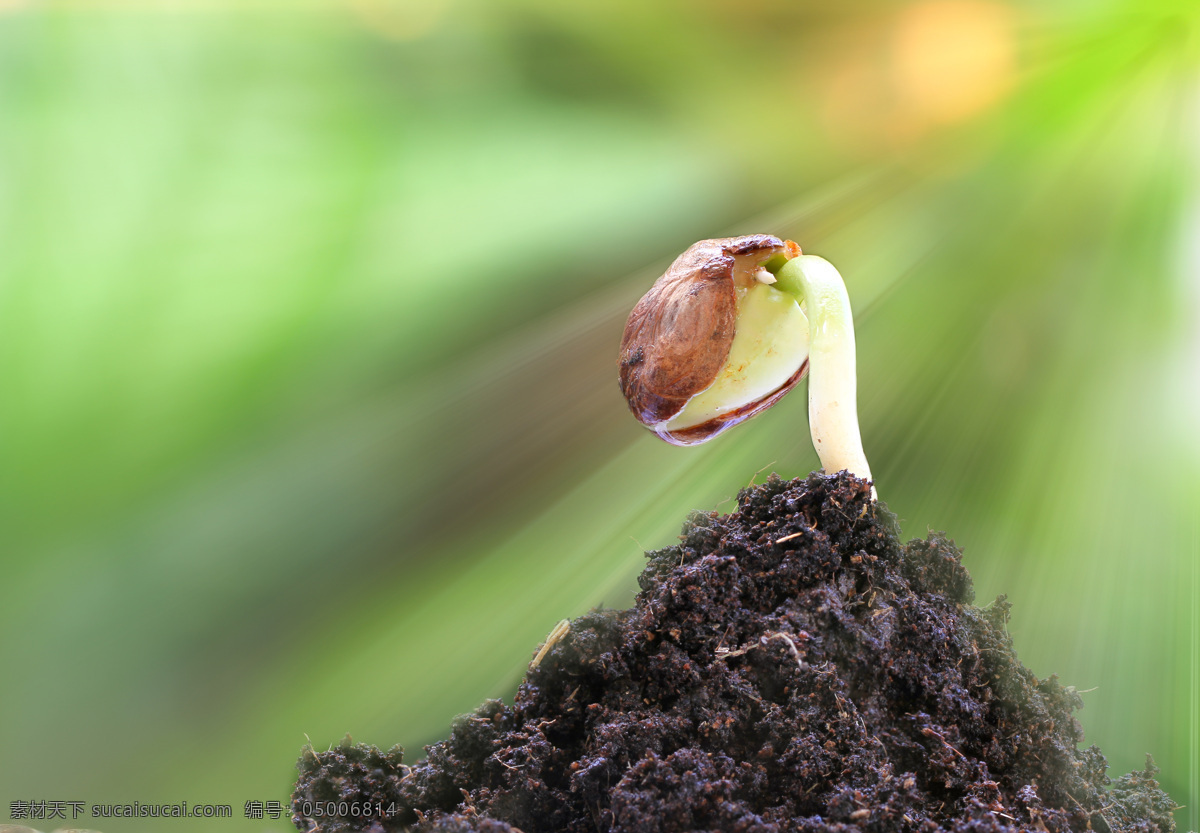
(788, 667)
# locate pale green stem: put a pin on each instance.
(832, 378)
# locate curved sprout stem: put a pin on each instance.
(832, 378)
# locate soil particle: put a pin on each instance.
(788, 667)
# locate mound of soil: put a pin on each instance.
(788, 667)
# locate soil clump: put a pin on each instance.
(788, 667)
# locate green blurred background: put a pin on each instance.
(309, 313)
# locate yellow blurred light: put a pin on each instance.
(887, 83)
(399, 19)
(952, 58)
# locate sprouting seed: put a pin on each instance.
(732, 326)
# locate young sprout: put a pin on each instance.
(733, 325)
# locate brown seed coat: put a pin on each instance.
(678, 336)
